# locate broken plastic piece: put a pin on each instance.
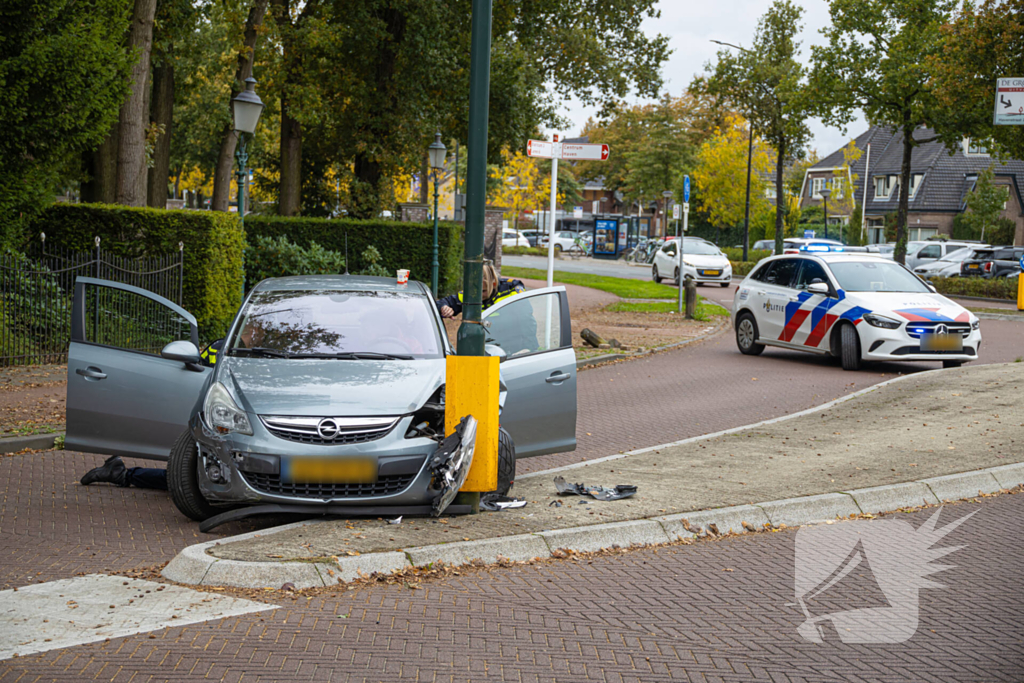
(596, 492)
(450, 463)
(493, 502)
(396, 520)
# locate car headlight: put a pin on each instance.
(223, 414)
(876, 320)
(687, 263)
(975, 324)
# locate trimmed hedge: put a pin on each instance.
(401, 245)
(213, 249)
(742, 268)
(754, 255)
(996, 288)
(524, 251)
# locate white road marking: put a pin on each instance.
(92, 608)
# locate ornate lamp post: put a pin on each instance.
(247, 107)
(825, 193)
(437, 154)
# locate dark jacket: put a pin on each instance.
(506, 288)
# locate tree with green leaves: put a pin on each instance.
(982, 43)
(875, 59)
(63, 75)
(766, 83)
(985, 203)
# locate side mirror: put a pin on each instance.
(818, 288)
(184, 351)
(931, 288)
(495, 350)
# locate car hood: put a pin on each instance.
(913, 307)
(706, 260)
(331, 388)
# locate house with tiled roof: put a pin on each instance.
(940, 183)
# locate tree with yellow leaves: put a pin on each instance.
(520, 185)
(721, 173)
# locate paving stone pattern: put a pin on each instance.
(712, 611)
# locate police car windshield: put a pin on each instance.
(337, 324)
(876, 276)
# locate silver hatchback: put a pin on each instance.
(327, 396)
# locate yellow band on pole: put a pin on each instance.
(1020, 292)
(471, 388)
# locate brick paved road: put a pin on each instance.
(713, 611)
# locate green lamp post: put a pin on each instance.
(437, 154)
(247, 107)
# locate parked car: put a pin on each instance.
(328, 394)
(884, 250)
(703, 262)
(796, 245)
(512, 238)
(763, 245)
(948, 265)
(564, 240)
(854, 307)
(992, 262)
(920, 253)
(533, 236)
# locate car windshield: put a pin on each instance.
(876, 276)
(701, 248)
(333, 323)
(958, 255)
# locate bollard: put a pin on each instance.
(691, 298)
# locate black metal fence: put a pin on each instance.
(37, 289)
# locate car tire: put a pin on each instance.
(723, 284)
(952, 363)
(849, 351)
(747, 335)
(506, 462)
(558, 250)
(654, 274)
(182, 481)
(675, 276)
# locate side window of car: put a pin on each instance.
(127, 320)
(810, 273)
(931, 251)
(527, 325)
(782, 272)
(669, 249)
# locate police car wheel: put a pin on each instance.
(654, 274)
(746, 335)
(850, 347)
(183, 482)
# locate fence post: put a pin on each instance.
(96, 309)
(181, 269)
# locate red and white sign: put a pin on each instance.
(566, 150)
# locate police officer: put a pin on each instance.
(495, 289)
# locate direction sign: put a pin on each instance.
(579, 152)
(577, 212)
(1009, 102)
(686, 188)
(540, 148)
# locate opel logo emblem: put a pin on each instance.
(941, 329)
(327, 429)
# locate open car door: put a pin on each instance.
(539, 370)
(123, 397)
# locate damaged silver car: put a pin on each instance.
(327, 396)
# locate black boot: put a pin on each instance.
(112, 471)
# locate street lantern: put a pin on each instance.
(667, 194)
(247, 107)
(824, 193)
(437, 154)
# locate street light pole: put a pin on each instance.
(437, 154)
(825, 192)
(246, 107)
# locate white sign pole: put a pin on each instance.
(551, 224)
(682, 241)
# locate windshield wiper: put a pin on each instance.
(261, 351)
(353, 355)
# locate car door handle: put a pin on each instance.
(558, 377)
(91, 373)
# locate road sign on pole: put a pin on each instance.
(682, 242)
(686, 188)
(676, 212)
(1009, 102)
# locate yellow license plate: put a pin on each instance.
(972, 266)
(942, 342)
(711, 272)
(329, 471)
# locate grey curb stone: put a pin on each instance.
(601, 536)
(190, 565)
(516, 548)
(893, 497)
(13, 444)
(262, 574)
(809, 509)
(1009, 476)
(963, 485)
(726, 519)
(351, 568)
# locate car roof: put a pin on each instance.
(359, 283)
(833, 257)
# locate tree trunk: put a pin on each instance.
(780, 198)
(425, 180)
(101, 165)
(289, 201)
(134, 116)
(226, 156)
(901, 212)
(162, 114)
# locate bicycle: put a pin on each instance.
(579, 248)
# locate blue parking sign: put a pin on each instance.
(686, 188)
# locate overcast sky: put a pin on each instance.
(690, 26)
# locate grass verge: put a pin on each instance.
(705, 311)
(627, 289)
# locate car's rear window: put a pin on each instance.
(332, 322)
(876, 276)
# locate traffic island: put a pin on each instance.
(921, 439)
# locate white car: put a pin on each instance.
(513, 238)
(852, 306)
(948, 265)
(702, 262)
(564, 240)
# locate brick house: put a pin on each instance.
(940, 183)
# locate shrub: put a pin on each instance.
(742, 268)
(371, 257)
(524, 251)
(213, 240)
(755, 255)
(996, 288)
(276, 257)
(400, 245)
(1001, 232)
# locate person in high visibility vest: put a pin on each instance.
(209, 354)
(495, 289)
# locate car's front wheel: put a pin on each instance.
(849, 352)
(746, 335)
(183, 482)
(654, 274)
(506, 462)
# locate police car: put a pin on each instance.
(853, 306)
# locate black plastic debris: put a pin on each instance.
(596, 492)
(493, 502)
(555, 503)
